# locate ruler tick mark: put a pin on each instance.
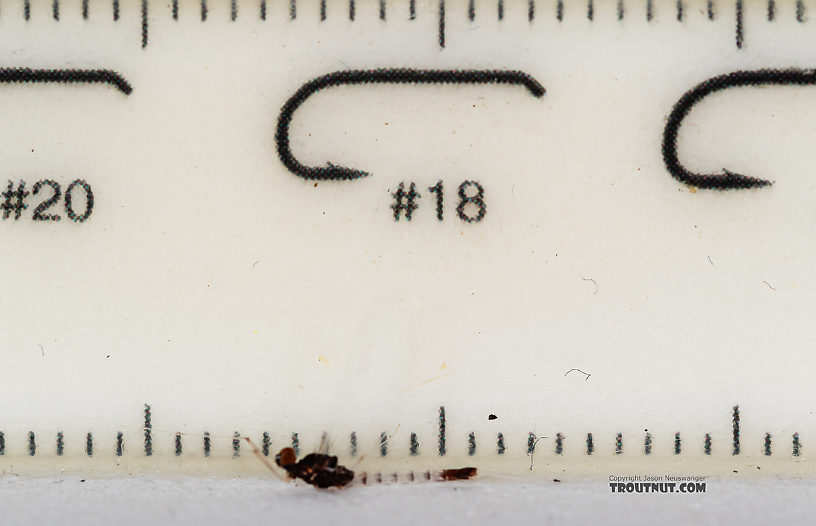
(352, 10)
(26, 10)
(739, 30)
(771, 10)
(680, 10)
(442, 24)
(382, 10)
(590, 10)
(115, 8)
(710, 9)
(530, 10)
(412, 10)
(559, 10)
(174, 9)
(55, 9)
(500, 8)
(292, 9)
(620, 10)
(263, 9)
(144, 24)
(204, 10)
(800, 11)
(84, 9)
(322, 10)
(471, 10)
(649, 10)
(233, 10)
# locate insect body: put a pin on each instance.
(317, 469)
(322, 471)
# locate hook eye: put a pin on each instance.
(726, 180)
(380, 76)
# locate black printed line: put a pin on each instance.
(353, 444)
(680, 10)
(55, 10)
(380, 76)
(471, 10)
(292, 9)
(27, 10)
(442, 24)
(800, 11)
(383, 444)
(120, 446)
(148, 430)
(263, 9)
(500, 447)
(412, 10)
(707, 444)
(620, 10)
(322, 10)
(265, 443)
(32, 444)
(236, 445)
(677, 444)
(531, 443)
(174, 9)
(65, 76)
(735, 423)
(619, 444)
(739, 30)
(207, 444)
(590, 444)
(144, 24)
(414, 445)
(442, 449)
(233, 10)
(2, 443)
(177, 444)
(727, 179)
(60, 444)
(767, 449)
(559, 444)
(559, 10)
(204, 10)
(796, 445)
(530, 10)
(84, 9)
(649, 10)
(382, 10)
(771, 10)
(352, 10)
(471, 444)
(296, 444)
(115, 8)
(647, 444)
(710, 9)
(590, 10)
(89, 444)
(500, 8)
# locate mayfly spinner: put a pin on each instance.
(321, 470)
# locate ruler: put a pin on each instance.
(528, 236)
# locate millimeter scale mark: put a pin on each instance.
(680, 7)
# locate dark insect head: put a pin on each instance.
(286, 457)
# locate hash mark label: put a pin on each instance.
(14, 200)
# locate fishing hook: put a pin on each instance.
(727, 179)
(380, 76)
